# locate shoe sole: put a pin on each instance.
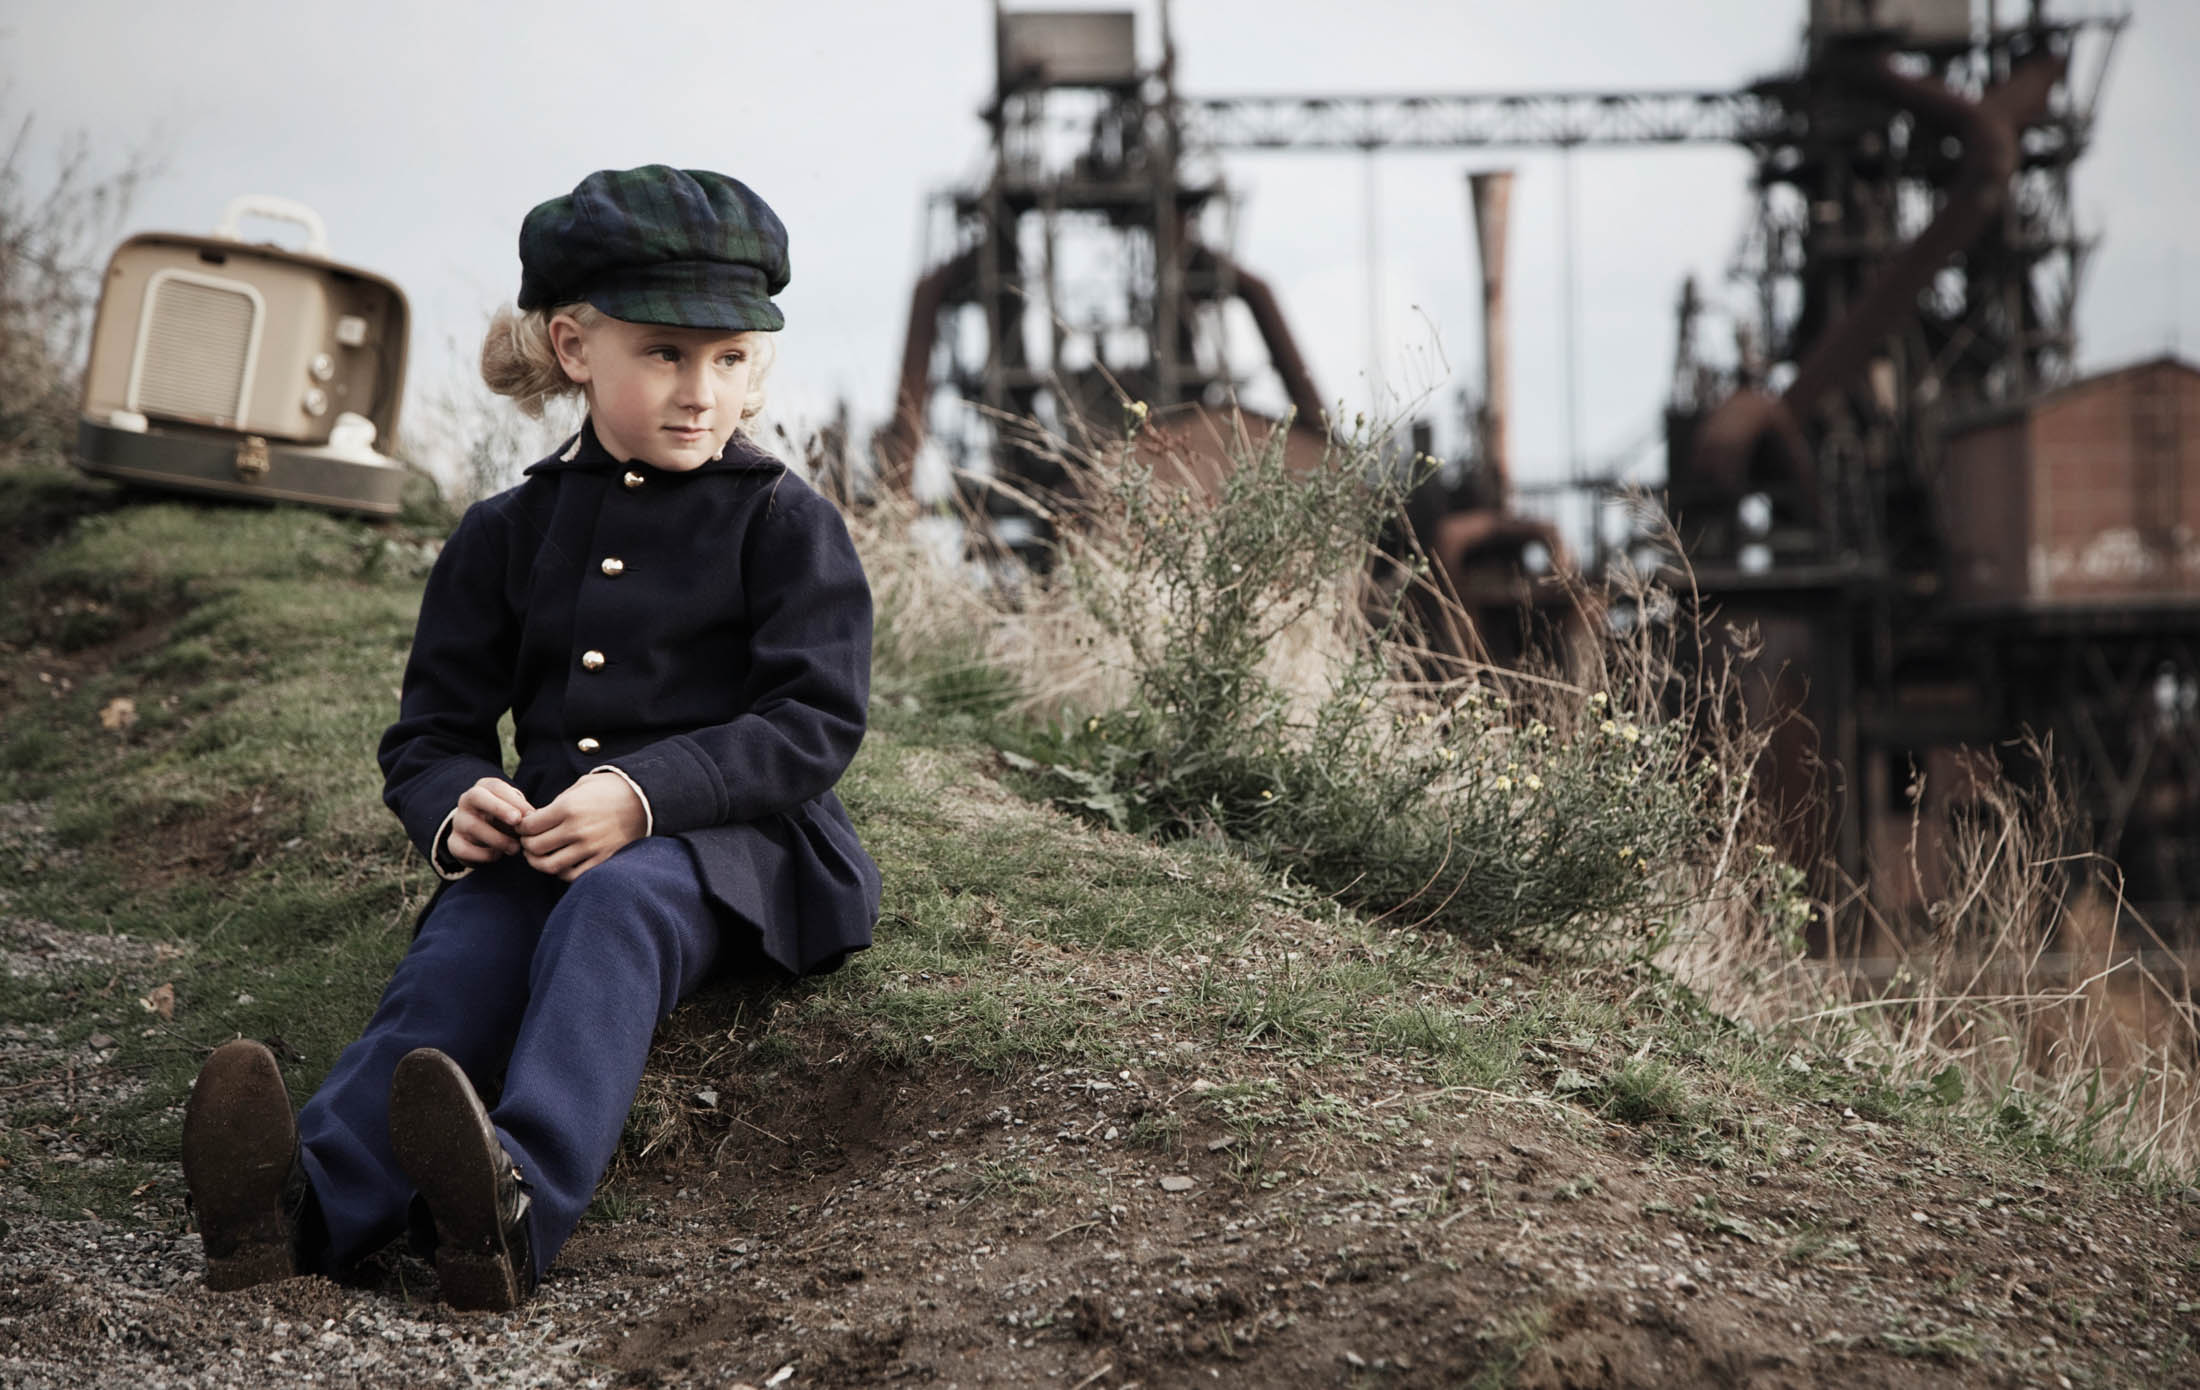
(238, 1142)
(447, 1147)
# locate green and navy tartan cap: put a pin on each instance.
(684, 247)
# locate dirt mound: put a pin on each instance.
(1316, 1154)
(868, 1225)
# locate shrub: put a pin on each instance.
(53, 242)
(1272, 695)
(2033, 994)
(1238, 666)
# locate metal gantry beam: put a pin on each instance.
(1517, 119)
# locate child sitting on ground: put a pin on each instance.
(681, 631)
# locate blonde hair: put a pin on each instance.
(518, 359)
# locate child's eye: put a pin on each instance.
(732, 359)
(665, 354)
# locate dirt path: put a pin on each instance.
(843, 1227)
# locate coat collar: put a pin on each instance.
(583, 451)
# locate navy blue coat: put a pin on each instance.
(708, 633)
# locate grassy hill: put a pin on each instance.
(1098, 1110)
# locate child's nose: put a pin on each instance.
(697, 391)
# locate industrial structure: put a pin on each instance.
(1942, 539)
(1939, 535)
(1091, 267)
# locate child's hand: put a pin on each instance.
(485, 828)
(588, 822)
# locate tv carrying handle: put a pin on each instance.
(274, 209)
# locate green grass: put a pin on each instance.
(235, 826)
(235, 830)
(1508, 1343)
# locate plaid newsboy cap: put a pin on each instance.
(685, 247)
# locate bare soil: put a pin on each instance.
(834, 1222)
(799, 1210)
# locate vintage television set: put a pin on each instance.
(246, 370)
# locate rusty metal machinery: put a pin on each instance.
(1942, 538)
(1517, 120)
(1091, 266)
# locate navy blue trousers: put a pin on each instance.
(559, 988)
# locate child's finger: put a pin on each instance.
(499, 808)
(556, 865)
(484, 834)
(498, 800)
(477, 810)
(546, 818)
(555, 837)
(579, 853)
(468, 850)
(589, 861)
(555, 840)
(486, 824)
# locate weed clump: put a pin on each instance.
(1271, 691)
(1227, 654)
(54, 236)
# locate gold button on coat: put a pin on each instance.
(632, 480)
(613, 566)
(591, 661)
(587, 745)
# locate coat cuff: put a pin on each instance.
(441, 787)
(440, 854)
(649, 816)
(678, 782)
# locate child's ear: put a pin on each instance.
(571, 345)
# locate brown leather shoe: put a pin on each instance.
(240, 1162)
(446, 1145)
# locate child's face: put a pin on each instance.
(669, 397)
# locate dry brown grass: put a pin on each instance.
(943, 596)
(2019, 983)
(2016, 982)
(55, 233)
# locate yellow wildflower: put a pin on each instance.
(1630, 733)
(1267, 795)
(1504, 784)
(1535, 783)
(1600, 699)
(1607, 727)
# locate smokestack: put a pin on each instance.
(1491, 193)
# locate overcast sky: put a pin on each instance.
(424, 131)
